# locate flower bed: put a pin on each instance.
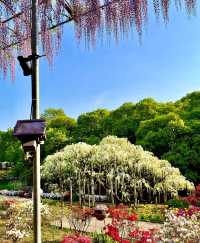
(194, 198)
(76, 239)
(181, 225)
(124, 229)
(151, 212)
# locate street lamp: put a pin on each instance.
(30, 133)
(24, 129)
(23, 61)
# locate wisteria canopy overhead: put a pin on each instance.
(92, 19)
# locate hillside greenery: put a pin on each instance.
(170, 130)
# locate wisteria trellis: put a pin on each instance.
(92, 19)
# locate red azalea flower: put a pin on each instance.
(134, 234)
(76, 239)
(113, 232)
(133, 217)
(125, 241)
(146, 234)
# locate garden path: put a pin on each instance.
(97, 225)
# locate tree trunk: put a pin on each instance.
(99, 189)
(111, 189)
(93, 192)
(149, 195)
(93, 187)
(71, 192)
(135, 195)
(122, 188)
(116, 186)
(84, 184)
(88, 189)
(62, 205)
(115, 180)
(79, 188)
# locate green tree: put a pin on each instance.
(90, 126)
(56, 140)
(59, 130)
(185, 152)
(159, 134)
(10, 147)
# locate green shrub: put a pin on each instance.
(156, 219)
(8, 185)
(151, 218)
(177, 203)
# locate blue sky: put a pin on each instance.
(165, 66)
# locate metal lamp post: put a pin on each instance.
(35, 115)
(28, 144)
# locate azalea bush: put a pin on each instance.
(124, 227)
(6, 203)
(76, 239)
(80, 218)
(20, 216)
(194, 198)
(122, 222)
(18, 225)
(181, 226)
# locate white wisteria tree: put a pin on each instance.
(116, 166)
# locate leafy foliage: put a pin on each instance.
(59, 130)
(10, 149)
(169, 130)
(177, 203)
(89, 127)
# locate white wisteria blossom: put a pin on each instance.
(115, 167)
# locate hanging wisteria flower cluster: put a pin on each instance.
(92, 19)
(114, 167)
